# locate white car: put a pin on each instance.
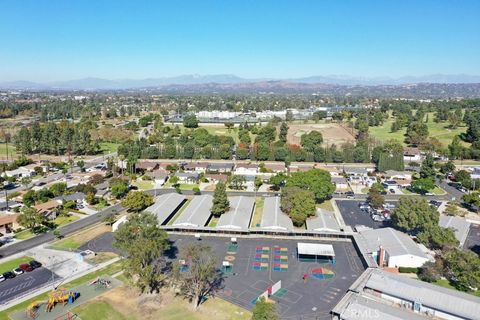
(2, 278)
(17, 271)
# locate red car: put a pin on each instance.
(25, 267)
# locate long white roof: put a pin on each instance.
(197, 213)
(273, 217)
(165, 205)
(315, 249)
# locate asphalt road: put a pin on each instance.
(12, 288)
(473, 239)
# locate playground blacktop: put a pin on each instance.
(260, 263)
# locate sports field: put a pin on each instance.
(333, 133)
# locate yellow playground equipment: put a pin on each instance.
(60, 296)
(57, 296)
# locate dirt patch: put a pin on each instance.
(333, 133)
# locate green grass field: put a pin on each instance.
(143, 185)
(25, 234)
(437, 130)
(326, 205)
(109, 147)
(11, 150)
(98, 310)
(62, 220)
(446, 284)
(12, 264)
(257, 215)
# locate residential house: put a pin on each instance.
(77, 197)
(187, 177)
(412, 155)
(199, 167)
(340, 183)
(300, 167)
(397, 175)
(216, 178)
(8, 223)
(48, 209)
(220, 167)
(146, 166)
(9, 205)
(334, 171)
(246, 169)
(158, 176)
(21, 172)
(356, 171)
(276, 167)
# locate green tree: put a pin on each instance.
(427, 169)
(118, 187)
(414, 214)
(375, 198)
(201, 278)
(81, 165)
(463, 268)
(423, 185)
(190, 121)
(237, 182)
(30, 218)
(451, 209)
(315, 180)
(144, 244)
(277, 181)
(258, 182)
(447, 167)
(298, 203)
(29, 198)
(137, 201)
(264, 310)
(58, 189)
(436, 237)
(220, 200)
(283, 132)
(311, 140)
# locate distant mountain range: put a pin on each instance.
(222, 79)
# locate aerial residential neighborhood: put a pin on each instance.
(239, 160)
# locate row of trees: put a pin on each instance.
(55, 139)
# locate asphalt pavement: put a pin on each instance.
(12, 288)
(353, 215)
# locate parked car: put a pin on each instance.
(35, 264)
(435, 203)
(25, 267)
(2, 278)
(391, 190)
(377, 218)
(9, 275)
(17, 271)
(350, 195)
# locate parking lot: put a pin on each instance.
(353, 215)
(473, 239)
(24, 283)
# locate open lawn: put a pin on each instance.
(109, 147)
(213, 222)
(183, 186)
(62, 220)
(12, 264)
(77, 240)
(326, 205)
(143, 185)
(257, 215)
(12, 151)
(437, 130)
(124, 303)
(25, 234)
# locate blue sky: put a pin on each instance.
(59, 40)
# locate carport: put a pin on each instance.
(308, 252)
(166, 206)
(239, 215)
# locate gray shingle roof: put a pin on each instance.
(239, 215)
(165, 205)
(273, 217)
(71, 197)
(323, 221)
(429, 295)
(460, 226)
(197, 213)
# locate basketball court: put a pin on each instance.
(302, 286)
